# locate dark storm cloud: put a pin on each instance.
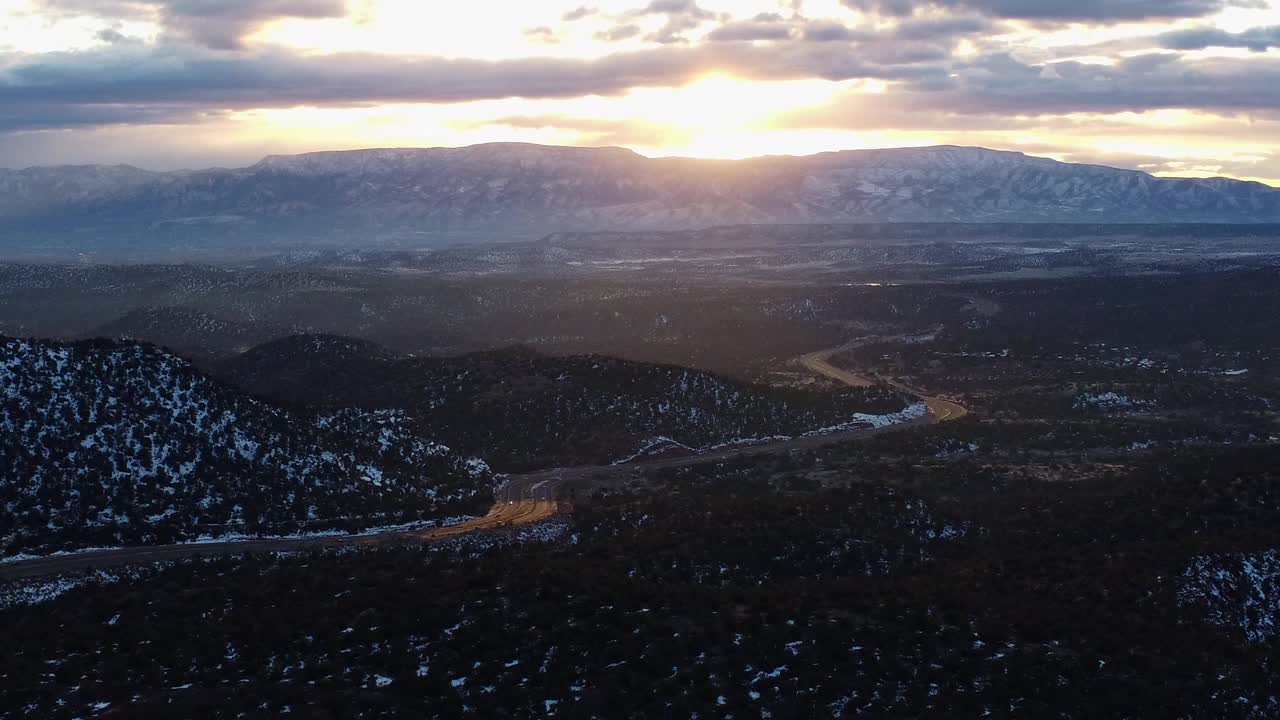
(1256, 39)
(1098, 11)
(220, 24)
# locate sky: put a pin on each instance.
(1173, 87)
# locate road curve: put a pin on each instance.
(940, 409)
(520, 500)
(819, 363)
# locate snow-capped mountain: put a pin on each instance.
(35, 191)
(104, 442)
(517, 188)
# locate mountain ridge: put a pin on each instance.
(281, 158)
(275, 158)
(496, 190)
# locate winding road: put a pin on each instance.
(819, 363)
(520, 500)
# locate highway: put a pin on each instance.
(521, 499)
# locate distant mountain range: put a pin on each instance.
(503, 190)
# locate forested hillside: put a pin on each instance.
(519, 409)
(106, 443)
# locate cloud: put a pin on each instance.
(674, 7)
(894, 52)
(56, 116)
(1000, 83)
(941, 31)
(1077, 137)
(1258, 39)
(132, 78)
(942, 27)
(578, 13)
(139, 77)
(173, 82)
(218, 24)
(1095, 11)
(903, 110)
(765, 26)
(542, 34)
(829, 31)
(224, 23)
(681, 17)
(674, 30)
(111, 36)
(618, 33)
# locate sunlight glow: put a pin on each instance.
(715, 116)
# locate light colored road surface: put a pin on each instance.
(940, 408)
(819, 363)
(520, 500)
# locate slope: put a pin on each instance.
(521, 410)
(392, 196)
(105, 442)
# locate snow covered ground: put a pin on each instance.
(1240, 591)
(914, 411)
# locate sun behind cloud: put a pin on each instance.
(222, 83)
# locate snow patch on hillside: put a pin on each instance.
(1240, 590)
(858, 421)
(1109, 401)
(125, 443)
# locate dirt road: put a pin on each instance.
(940, 409)
(520, 500)
(819, 363)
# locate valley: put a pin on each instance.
(640, 359)
(909, 478)
(519, 499)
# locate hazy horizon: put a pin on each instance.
(256, 160)
(1175, 88)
